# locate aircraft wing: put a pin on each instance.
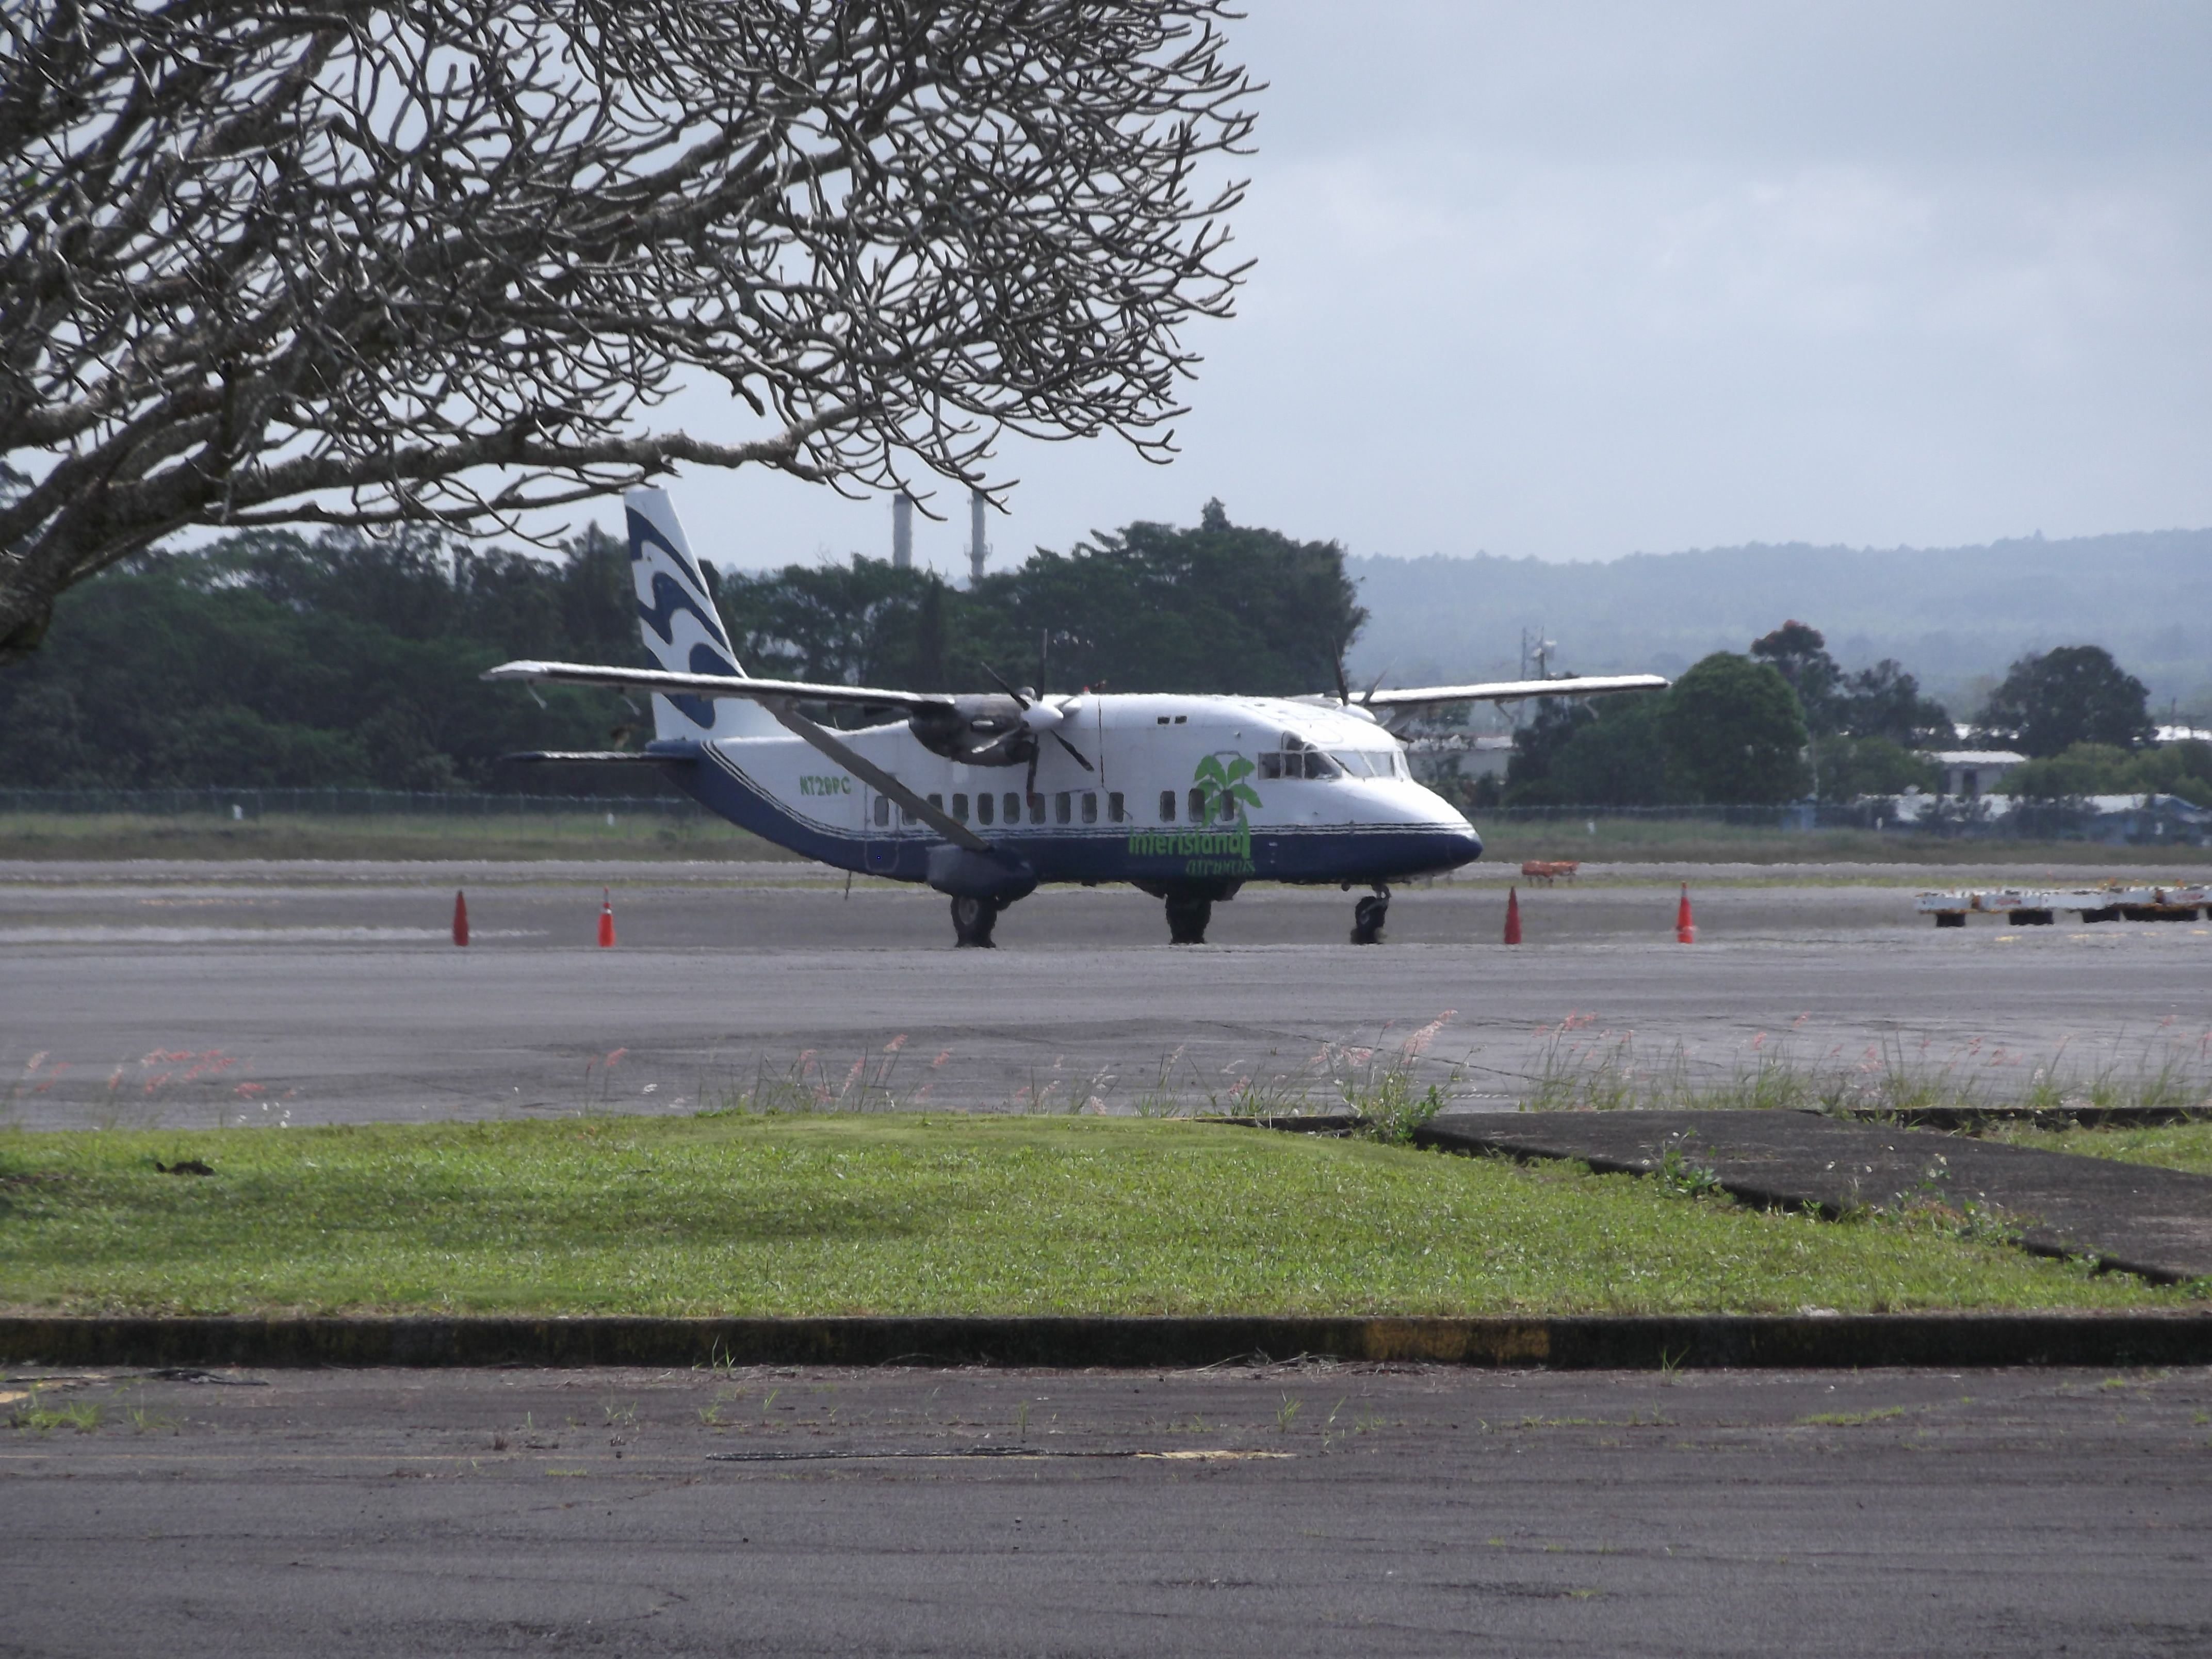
(1587, 686)
(670, 684)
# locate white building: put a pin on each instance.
(1971, 773)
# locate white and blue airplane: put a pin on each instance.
(984, 797)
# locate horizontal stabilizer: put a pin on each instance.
(670, 683)
(597, 757)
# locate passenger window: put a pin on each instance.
(1113, 811)
(882, 810)
(1167, 807)
(982, 809)
(1013, 807)
(906, 814)
(1198, 805)
(960, 808)
(1063, 807)
(1180, 719)
(1036, 808)
(1090, 807)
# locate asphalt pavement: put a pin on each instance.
(1267, 1511)
(186, 995)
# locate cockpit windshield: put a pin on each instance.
(1294, 757)
(1372, 762)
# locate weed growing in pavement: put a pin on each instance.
(1852, 1419)
(808, 1086)
(143, 1421)
(1583, 1068)
(1387, 1091)
(1682, 1174)
(31, 1413)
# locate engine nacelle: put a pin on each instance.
(976, 731)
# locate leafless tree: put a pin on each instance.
(342, 263)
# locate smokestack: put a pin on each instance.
(978, 549)
(902, 531)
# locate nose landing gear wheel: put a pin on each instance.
(972, 921)
(1187, 920)
(1368, 917)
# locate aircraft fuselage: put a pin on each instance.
(1187, 792)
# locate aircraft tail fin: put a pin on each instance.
(680, 626)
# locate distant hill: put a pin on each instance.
(1954, 617)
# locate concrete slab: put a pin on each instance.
(2155, 1222)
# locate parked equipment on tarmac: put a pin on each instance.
(2033, 908)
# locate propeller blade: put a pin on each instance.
(1019, 700)
(1367, 700)
(882, 781)
(1343, 692)
(1030, 788)
(1071, 749)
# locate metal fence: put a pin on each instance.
(257, 802)
(2166, 824)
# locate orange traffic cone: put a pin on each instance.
(1686, 930)
(606, 919)
(460, 919)
(1512, 915)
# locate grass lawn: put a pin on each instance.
(909, 1214)
(2175, 1145)
(1601, 840)
(634, 834)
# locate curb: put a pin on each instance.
(1574, 1343)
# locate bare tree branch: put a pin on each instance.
(370, 263)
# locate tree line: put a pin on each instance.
(346, 660)
(1783, 721)
(273, 659)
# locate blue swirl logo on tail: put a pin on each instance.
(705, 659)
(669, 596)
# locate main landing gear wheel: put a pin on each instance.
(972, 921)
(1368, 917)
(1186, 919)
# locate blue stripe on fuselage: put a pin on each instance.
(1376, 853)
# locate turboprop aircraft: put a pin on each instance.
(983, 797)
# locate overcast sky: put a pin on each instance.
(1578, 280)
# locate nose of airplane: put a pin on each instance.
(1442, 826)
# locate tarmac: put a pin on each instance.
(1314, 1507)
(188, 995)
(1277, 1511)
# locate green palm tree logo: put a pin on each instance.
(1223, 787)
